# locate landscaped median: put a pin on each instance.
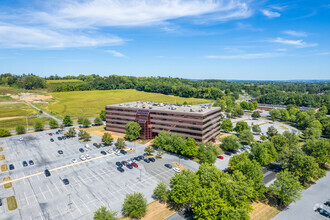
(4, 167)
(7, 185)
(2, 157)
(11, 203)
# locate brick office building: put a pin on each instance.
(201, 122)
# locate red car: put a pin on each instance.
(134, 164)
(220, 157)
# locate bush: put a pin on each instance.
(4, 132)
(53, 123)
(104, 214)
(38, 126)
(135, 205)
(20, 129)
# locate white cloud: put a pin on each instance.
(12, 36)
(281, 49)
(324, 53)
(295, 33)
(246, 56)
(116, 53)
(270, 14)
(297, 43)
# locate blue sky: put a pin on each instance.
(196, 39)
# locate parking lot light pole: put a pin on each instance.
(70, 203)
(140, 176)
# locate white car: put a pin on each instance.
(73, 160)
(109, 151)
(82, 157)
(176, 169)
(118, 153)
(21, 139)
(87, 156)
(87, 146)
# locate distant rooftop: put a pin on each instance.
(200, 109)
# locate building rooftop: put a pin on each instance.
(199, 109)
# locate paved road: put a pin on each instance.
(43, 112)
(303, 209)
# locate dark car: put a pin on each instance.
(323, 212)
(234, 151)
(65, 181)
(60, 152)
(120, 169)
(124, 162)
(51, 140)
(327, 203)
(50, 134)
(119, 164)
(59, 138)
(123, 152)
(47, 173)
(63, 137)
(25, 164)
(0, 202)
(31, 162)
(168, 166)
(11, 166)
(147, 160)
(152, 159)
(129, 166)
(81, 150)
(137, 158)
(57, 132)
(141, 157)
(103, 152)
(228, 153)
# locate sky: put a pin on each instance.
(194, 39)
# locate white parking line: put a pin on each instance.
(26, 199)
(42, 192)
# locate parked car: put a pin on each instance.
(51, 140)
(220, 157)
(118, 153)
(63, 137)
(137, 158)
(59, 138)
(327, 203)
(147, 160)
(123, 152)
(25, 164)
(124, 162)
(176, 169)
(141, 157)
(50, 134)
(119, 164)
(168, 166)
(31, 162)
(57, 132)
(87, 146)
(87, 156)
(134, 164)
(228, 153)
(65, 181)
(82, 157)
(152, 159)
(81, 150)
(60, 152)
(47, 173)
(129, 166)
(21, 139)
(103, 152)
(0, 202)
(120, 169)
(73, 160)
(323, 212)
(11, 167)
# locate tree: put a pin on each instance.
(20, 129)
(256, 128)
(86, 122)
(72, 132)
(237, 111)
(231, 143)
(263, 137)
(244, 105)
(67, 121)
(4, 132)
(84, 135)
(274, 113)
(312, 133)
(98, 121)
(135, 205)
(291, 137)
(255, 103)
(102, 115)
(104, 214)
(120, 144)
(251, 106)
(256, 114)
(286, 187)
(264, 153)
(190, 148)
(227, 126)
(246, 136)
(241, 126)
(80, 119)
(319, 149)
(53, 123)
(38, 125)
(207, 153)
(280, 142)
(304, 167)
(107, 139)
(132, 131)
(183, 188)
(62, 126)
(161, 192)
(271, 131)
(149, 150)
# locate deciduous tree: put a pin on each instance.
(161, 192)
(104, 214)
(227, 125)
(135, 205)
(107, 138)
(132, 131)
(120, 144)
(67, 121)
(53, 123)
(241, 126)
(20, 129)
(231, 143)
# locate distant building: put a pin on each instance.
(201, 122)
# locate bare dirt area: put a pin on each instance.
(99, 131)
(31, 97)
(9, 118)
(156, 211)
(262, 211)
(8, 103)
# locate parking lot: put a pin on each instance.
(93, 182)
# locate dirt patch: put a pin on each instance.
(9, 118)
(7, 185)
(1, 149)
(11, 203)
(31, 97)
(2, 157)
(156, 211)
(8, 103)
(179, 166)
(4, 167)
(99, 131)
(262, 211)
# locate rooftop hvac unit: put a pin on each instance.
(120, 104)
(191, 110)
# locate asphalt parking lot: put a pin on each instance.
(93, 183)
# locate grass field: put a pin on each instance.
(12, 123)
(4, 98)
(90, 103)
(19, 109)
(63, 81)
(8, 90)
(262, 211)
(11, 203)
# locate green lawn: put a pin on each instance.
(12, 123)
(4, 98)
(19, 109)
(90, 103)
(4, 90)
